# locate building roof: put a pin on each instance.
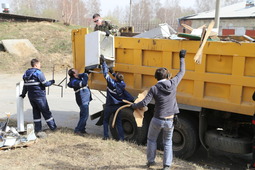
(238, 10)
(15, 17)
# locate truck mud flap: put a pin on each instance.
(96, 115)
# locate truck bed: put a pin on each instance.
(225, 80)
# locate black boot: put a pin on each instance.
(38, 126)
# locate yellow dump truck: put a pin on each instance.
(214, 97)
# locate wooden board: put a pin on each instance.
(26, 144)
(198, 56)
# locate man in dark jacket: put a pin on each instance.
(164, 94)
(34, 84)
(115, 94)
(79, 83)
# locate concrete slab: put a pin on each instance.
(19, 47)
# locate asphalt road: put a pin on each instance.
(66, 114)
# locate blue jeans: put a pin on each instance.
(84, 114)
(156, 126)
(108, 111)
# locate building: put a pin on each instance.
(237, 19)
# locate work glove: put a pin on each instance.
(175, 120)
(182, 53)
(132, 106)
(107, 33)
(87, 71)
(52, 81)
(102, 59)
(22, 95)
(111, 70)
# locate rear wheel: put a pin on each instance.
(185, 137)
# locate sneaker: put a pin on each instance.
(106, 138)
(84, 132)
(79, 133)
(166, 167)
(149, 164)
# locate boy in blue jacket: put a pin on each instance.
(79, 83)
(115, 94)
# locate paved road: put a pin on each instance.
(66, 114)
(64, 109)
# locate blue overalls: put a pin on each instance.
(115, 94)
(83, 97)
(34, 84)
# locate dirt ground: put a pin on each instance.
(64, 150)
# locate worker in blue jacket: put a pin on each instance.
(79, 83)
(115, 94)
(35, 83)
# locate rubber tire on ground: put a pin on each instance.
(186, 133)
(131, 131)
(227, 144)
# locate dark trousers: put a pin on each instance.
(108, 111)
(84, 114)
(40, 106)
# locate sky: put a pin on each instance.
(107, 5)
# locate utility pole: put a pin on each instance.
(130, 13)
(217, 14)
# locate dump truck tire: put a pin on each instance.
(131, 131)
(185, 137)
(216, 141)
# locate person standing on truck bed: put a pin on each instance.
(102, 25)
(79, 83)
(164, 94)
(35, 83)
(115, 94)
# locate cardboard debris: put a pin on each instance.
(139, 113)
(163, 31)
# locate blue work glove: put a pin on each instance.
(107, 33)
(22, 95)
(102, 59)
(87, 71)
(111, 70)
(52, 81)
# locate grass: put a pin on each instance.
(52, 40)
(64, 150)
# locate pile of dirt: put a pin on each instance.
(52, 40)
